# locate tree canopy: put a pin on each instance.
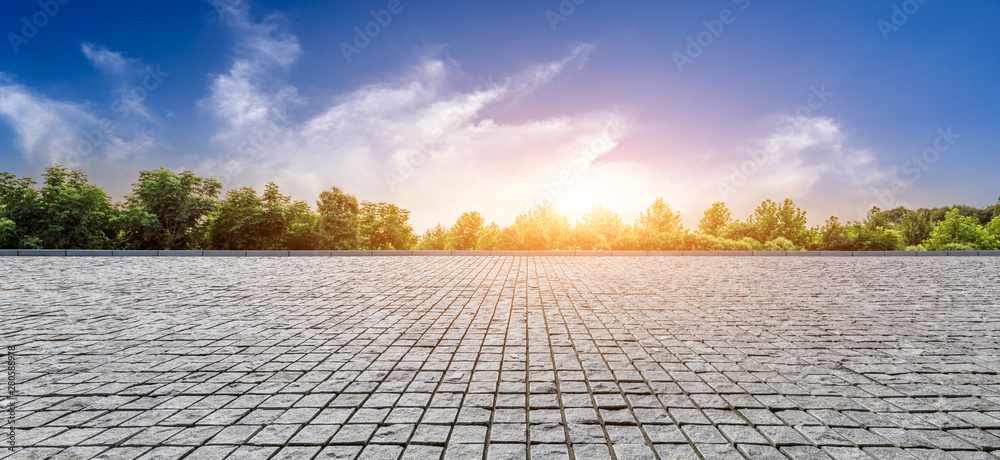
(168, 210)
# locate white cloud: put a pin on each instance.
(808, 159)
(109, 61)
(425, 140)
(420, 140)
(250, 94)
(45, 130)
(131, 79)
(79, 135)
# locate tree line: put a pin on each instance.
(176, 211)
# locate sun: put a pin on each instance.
(576, 200)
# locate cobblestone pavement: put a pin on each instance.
(503, 357)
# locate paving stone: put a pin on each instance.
(502, 357)
(339, 452)
(420, 452)
(759, 452)
(463, 451)
(165, 453)
(254, 453)
(719, 451)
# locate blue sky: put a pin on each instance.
(493, 106)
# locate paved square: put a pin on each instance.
(503, 357)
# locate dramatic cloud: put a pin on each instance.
(426, 141)
(251, 95)
(107, 140)
(421, 140)
(47, 131)
(803, 158)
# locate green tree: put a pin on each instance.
(542, 228)
(434, 239)
(384, 226)
(8, 232)
(245, 221)
(464, 235)
(785, 220)
(489, 238)
(73, 214)
(597, 229)
(168, 210)
(338, 223)
(993, 228)
(237, 221)
(833, 236)
(716, 218)
(509, 239)
(19, 212)
(659, 218)
(737, 230)
(300, 233)
(627, 240)
(961, 230)
(915, 227)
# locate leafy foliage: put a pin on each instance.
(383, 226)
(169, 210)
(464, 235)
(715, 220)
(785, 220)
(338, 222)
(659, 218)
(597, 229)
(434, 239)
(959, 229)
(245, 221)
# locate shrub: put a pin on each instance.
(780, 244)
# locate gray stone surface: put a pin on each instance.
(503, 357)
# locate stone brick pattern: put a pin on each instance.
(504, 357)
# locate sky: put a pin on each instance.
(494, 106)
